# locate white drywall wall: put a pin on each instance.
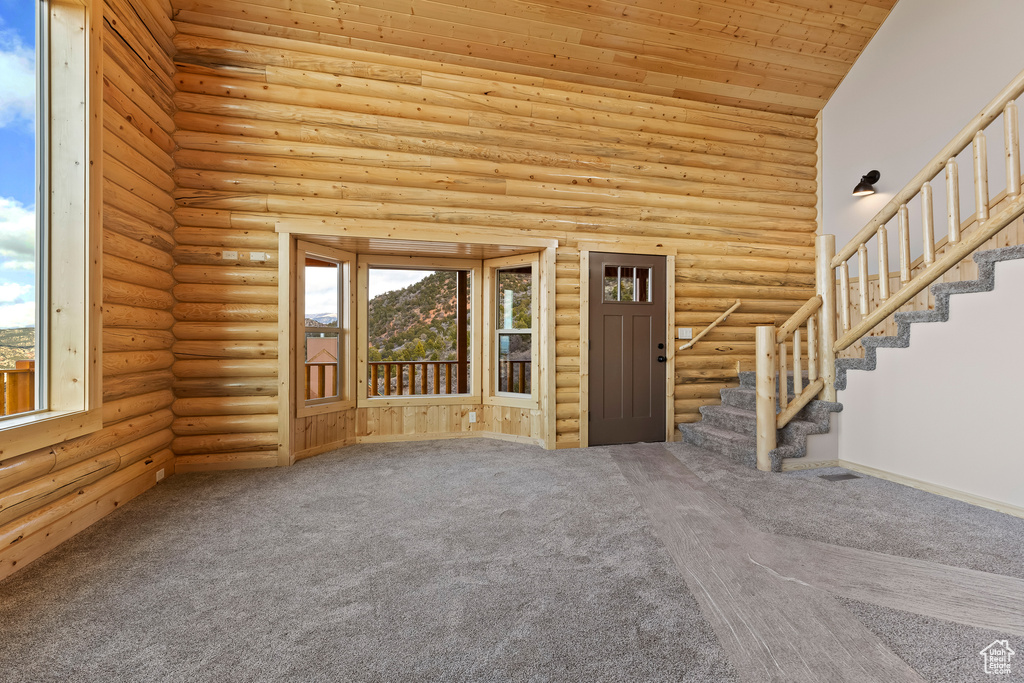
(948, 409)
(930, 68)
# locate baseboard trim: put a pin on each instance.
(217, 462)
(41, 531)
(318, 450)
(798, 465)
(529, 440)
(937, 489)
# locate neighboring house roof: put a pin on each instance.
(321, 349)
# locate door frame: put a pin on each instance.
(632, 247)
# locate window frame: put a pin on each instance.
(346, 330)
(367, 261)
(69, 144)
(490, 352)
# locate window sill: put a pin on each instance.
(37, 430)
(419, 400)
(322, 408)
(512, 401)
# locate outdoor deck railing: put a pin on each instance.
(321, 380)
(516, 377)
(424, 375)
(18, 388)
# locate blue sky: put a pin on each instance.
(17, 169)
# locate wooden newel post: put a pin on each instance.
(765, 367)
(825, 281)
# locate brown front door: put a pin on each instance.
(627, 348)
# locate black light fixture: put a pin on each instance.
(866, 184)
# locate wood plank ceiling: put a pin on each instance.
(785, 56)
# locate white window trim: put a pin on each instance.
(490, 352)
(72, 185)
(365, 262)
(346, 330)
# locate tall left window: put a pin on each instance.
(49, 222)
(21, 205)
(325, 328)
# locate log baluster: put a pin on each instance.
(387, 379)
(928, 224)
(373, 379)
(883, 263)
(812, 349)
(904, 232)
(437, 378)
(1012, 136)
(798, 371)
(981, 177)
(953, 200)
(447, 378)
(862, 264)
(423, 379)
(783, 377)
(844, 294)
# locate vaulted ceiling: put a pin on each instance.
(778, 55)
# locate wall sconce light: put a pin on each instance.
(866, 184)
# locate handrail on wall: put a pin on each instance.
(719, 320)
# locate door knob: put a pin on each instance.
(662, 359)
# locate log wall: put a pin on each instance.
(48, 495)
(273, 129)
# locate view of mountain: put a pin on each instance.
(17, 344)
(416, 322)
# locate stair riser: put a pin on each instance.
(745, 424)
(694, 435)
(743, 399)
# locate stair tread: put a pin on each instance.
(740, 439)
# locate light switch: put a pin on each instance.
(229, 255)
(685, 333)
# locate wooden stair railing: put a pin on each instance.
(774, 410)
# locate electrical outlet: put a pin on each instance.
(159, 474)
(472, 417)
(685, 333)
(257, 256)
(229, 255)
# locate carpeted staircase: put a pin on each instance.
(731, 427)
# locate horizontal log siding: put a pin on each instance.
(49, 495)
(272, 129)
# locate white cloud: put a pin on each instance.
(13, 293)
(18, 84)
(17, 232)
(18, 265)
(321, 291)
(385, 280)
(18, 315)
